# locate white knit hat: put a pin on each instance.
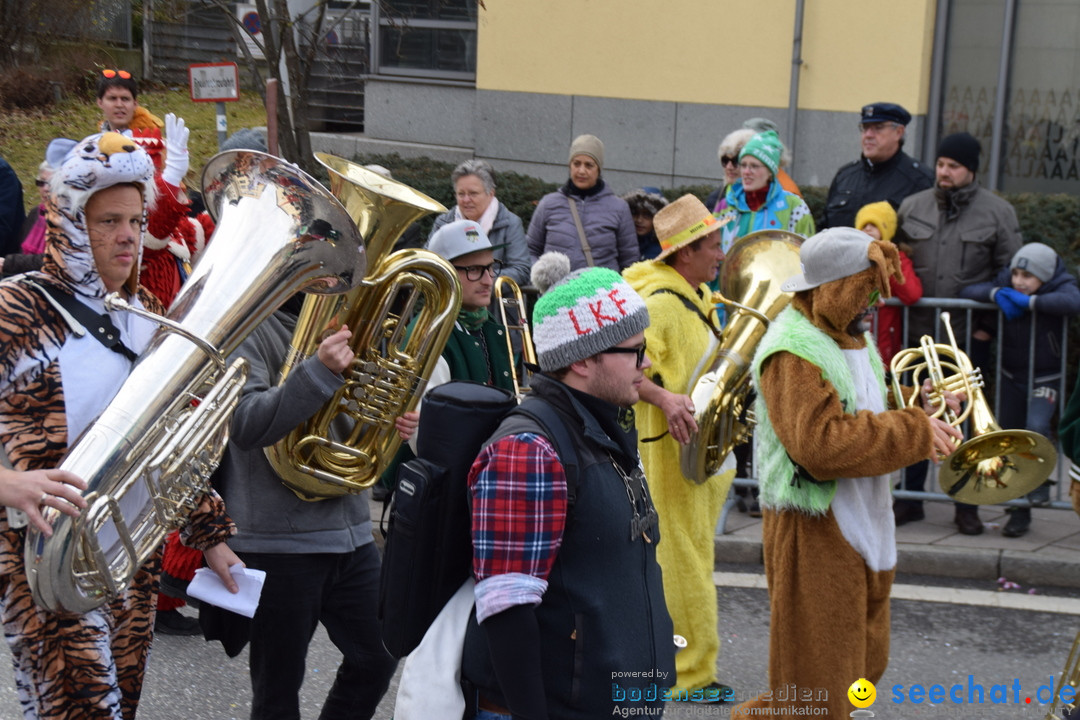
(588, 311)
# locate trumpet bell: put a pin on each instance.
(997, 466)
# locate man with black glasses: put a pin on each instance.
(883, 172)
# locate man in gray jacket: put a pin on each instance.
(320, 559)
(960, 234)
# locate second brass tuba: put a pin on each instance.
(995, 465)
(750, 281)
(147, 458)
(393, 357)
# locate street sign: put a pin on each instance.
(214, 82)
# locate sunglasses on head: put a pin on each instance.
(113, 73)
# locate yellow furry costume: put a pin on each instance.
(679, 345)
(824, 452)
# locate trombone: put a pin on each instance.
(995, 465)
(508, 296)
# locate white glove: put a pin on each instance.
(176, 152)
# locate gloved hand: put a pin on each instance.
(1013, 303)
(176, 150)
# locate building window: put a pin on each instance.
(1039, 139)
(426, 38)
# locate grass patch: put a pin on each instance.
(24, 134)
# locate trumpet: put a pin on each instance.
(505, 286)
(995, 465)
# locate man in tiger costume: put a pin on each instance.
(55, 378)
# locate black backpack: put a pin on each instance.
(428, 552)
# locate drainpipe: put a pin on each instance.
(993, 174)
(793, 93)
(937, 85)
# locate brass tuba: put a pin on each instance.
(750, 282)
(147, 458)
(393, 359)
(995, 465)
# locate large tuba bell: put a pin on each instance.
(995, 465)
(750, 281)
(147, 458)
(393, 358)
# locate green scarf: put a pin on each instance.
(472, 320)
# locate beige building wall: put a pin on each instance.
(728, 52)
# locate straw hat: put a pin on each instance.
(681, 223)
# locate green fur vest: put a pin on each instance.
(783, 487)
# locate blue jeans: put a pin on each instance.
(341, 591)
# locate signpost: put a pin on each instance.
(215, 82)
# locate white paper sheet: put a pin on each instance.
(206, 586)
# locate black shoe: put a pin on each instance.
(713, 693)
(1019, 522)
(968, 522)
(173, 622)
(905, 512)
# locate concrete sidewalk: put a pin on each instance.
(1049, 555)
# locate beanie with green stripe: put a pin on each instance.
(588, 311)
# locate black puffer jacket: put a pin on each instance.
(861, 182)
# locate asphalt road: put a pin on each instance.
(933, 642)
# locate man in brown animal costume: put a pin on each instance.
(826, 443)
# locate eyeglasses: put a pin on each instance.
(729, 160)
(475, 272)
(109, 73)
(639, 351)
(41, 183)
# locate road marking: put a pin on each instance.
(924, 593)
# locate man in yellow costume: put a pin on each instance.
(680, 342)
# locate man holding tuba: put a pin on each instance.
(320, 558)
(826, 443)
(63, 357)
(681, 340)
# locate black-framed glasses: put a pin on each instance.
(729, 160)
(638, 350)
(475, 272)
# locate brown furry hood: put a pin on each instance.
(834, 305)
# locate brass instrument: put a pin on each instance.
(147, 458)
(507, 286)
(393, 358)
(995, 465)
(1070, 677)
(750, 281)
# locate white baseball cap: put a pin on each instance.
(458, 238)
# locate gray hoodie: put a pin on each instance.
(269, 516)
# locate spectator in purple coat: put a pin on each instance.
(584, 219)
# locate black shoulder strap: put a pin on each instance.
(690, 306)
(101, 326)
(555, 430)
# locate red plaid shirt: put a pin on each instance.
(518, 490)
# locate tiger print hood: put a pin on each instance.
(92, 164)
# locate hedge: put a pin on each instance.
(1050, 219)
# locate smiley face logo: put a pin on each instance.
(862, 693)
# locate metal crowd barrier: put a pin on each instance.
(1059, 492)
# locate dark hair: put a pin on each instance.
(128, 83)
